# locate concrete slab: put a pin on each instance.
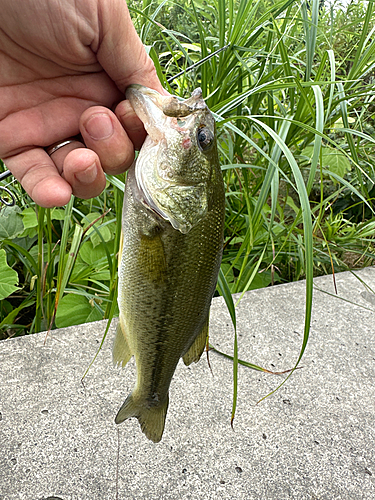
(313, 439)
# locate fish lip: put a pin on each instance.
(142, 97)
(137, 94)
(147, 104)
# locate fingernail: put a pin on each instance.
(99, 126)
(87, 176)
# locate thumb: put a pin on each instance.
(121, 52)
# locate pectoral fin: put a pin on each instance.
(195, 351)
(151, 258)
(121, 352)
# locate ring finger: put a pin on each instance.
(59, 150)
(79, 166)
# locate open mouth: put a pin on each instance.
(178, 203)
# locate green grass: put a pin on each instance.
(293, 96)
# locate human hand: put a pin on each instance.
(64, 65)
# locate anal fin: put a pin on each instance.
(121, 352)
(195, 351)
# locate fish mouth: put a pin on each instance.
(182, 205)
(154, 110)
(149, 104)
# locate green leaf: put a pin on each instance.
(332, 159)
(260, 280)
(339, 123)
(103, 225)
(29, 218)
(92, 255)
(66, 264)
(224, 290)
(74, 310)
(57, 214)
(335, 162)
(30, 223)
(8, 277)
(13, 313)
(10, 222)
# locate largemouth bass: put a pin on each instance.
(172, 237)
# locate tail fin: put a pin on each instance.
(151, 418)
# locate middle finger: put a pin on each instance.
(104, 134)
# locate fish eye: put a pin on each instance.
(205, 138)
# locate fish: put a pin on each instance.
(170, 250)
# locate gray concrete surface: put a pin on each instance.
(313, 439)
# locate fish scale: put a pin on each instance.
(167, 276)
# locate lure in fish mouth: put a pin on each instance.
(173, 167)
(172, 238)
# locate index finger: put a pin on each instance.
(121, 52)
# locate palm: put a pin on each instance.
(50, 107)
(58, 59)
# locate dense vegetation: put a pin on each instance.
(293, 95)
